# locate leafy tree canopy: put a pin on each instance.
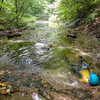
(13, 11)
(72, 9)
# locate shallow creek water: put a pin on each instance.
(39, 53)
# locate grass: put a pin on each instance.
(2, 27)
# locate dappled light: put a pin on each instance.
(49, 50)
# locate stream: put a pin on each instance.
(38, 56)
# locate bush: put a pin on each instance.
(72, 9)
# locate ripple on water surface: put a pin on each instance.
(35, 55)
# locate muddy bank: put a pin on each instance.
(11, 32)
(91, 30)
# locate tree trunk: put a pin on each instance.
(16, 10)
(0, 6)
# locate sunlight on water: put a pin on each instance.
(41, 48)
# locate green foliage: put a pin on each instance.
(2, 27)
(29, 19)
(90, 18)
(72, 9)
(12, 12)
(50, 1)
(36, 7)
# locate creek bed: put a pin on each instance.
(35, 60)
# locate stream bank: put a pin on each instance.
(92, 29)
(11, 32)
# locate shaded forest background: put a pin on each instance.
(15, 13)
